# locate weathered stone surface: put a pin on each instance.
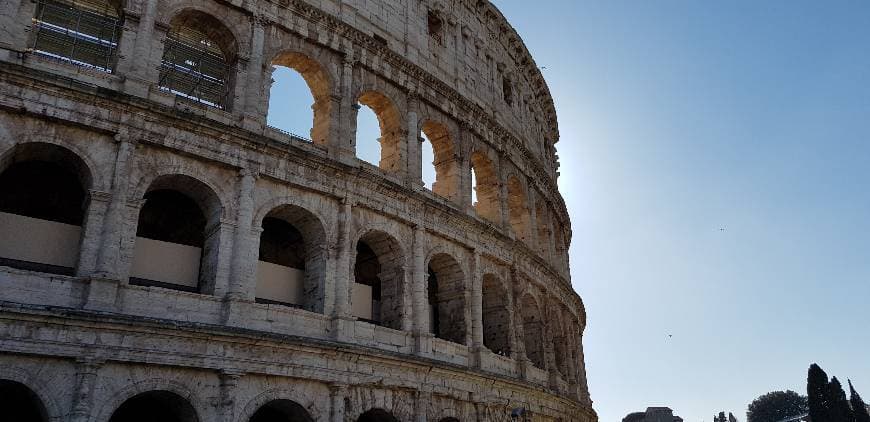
(509, 326)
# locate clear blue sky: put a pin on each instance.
(679, 118)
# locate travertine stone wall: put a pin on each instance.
(454, 70)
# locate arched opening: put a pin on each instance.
(298, 80)
(542, 219)
(533, 331)
(379, 274)
(20, 404)
(518, 209)
(292, 261)
(377, 415)
(198, 58)
(163, 406)
(486, 187)
(389, 131)
(177, 236)
(84, 33)
(440, 165)
(43, 197)
(496, 317)
(281, 411)
(446, 293)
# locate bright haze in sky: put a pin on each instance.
(716, 165)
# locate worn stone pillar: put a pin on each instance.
(141, 68)
(419, 299)
(422, 399)
(414, 174)
(337, 395)
(110, 240)
(229, 382)
(342, 317)
(98, 202)
(465, 146)
(253, 115)
(343, 147)
(15, 19)
(503, 197)
(533, 220)
(476, 305)
(241, 276)
(83, 395)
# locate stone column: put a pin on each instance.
(144, 59)
(419, 299)
(83, 395)
(337, 394)
(103, 284)
(423, 400)
(476, 308)
(533, 220)
(503, 196)
(465, 146)
(98, 202)
(15, 19)
(342, 317)
(241, 286)
(229, 382)
(110, 242)
(254, 113)
(343, 147)
(414, 175)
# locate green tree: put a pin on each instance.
(776, 406)
(858, 406)
(817, 394)
(841, 411)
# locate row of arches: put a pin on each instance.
(22, 404)
(199, 62)
(45, 197)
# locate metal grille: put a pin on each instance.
(81, 32)
(194, 67)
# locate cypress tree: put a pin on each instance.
(817, 394)
(858, 406)
(839, 406)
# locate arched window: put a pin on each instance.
(496, 316)
(299, 86)
(177, 237)
(292, 261)
(281, 411)
(379, 275)
(518, 209)
(533, 331)
(42, 208)
(20, 404)
(446, 292)
(163, 406)
(81, 32)
(389, 130)
(198, 57)
(485, 187)
(440, 166)
(377, 415)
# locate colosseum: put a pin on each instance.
(167, 255)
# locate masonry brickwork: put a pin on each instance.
(87, 341)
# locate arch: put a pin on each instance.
(487, 187)
(445, 164)
(379, 275)
(43, 201)
(496, 316)
(281, 410)
(518, 209)
(390, 124)
(292, 259)
(20, 403)
(177, 236)
(81, 33)
(446, 292)
(533, 331)
(162, 405)
(198, 57)
(377, 415)
(319, 84)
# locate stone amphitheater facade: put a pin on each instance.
(166, 255)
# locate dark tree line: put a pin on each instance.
(827, 399)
